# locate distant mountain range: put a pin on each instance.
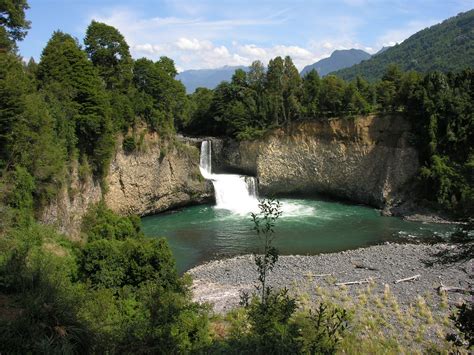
(207, 78)
(339, 59)
(210, 78)
(448, 46)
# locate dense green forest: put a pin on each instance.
(117, 291)
(444, 47)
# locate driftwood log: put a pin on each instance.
(411, 278)
(359, 282)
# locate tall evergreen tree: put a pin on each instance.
(13, 87)
(311, 89)
(65, 65)
(13, 23)
(292, 91)
(110, 54)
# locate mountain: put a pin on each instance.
(383, 49)
(208, 78)
(339, 59)
(447, 46)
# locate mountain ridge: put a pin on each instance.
(338, 59)
(446, 46)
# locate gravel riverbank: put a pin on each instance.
(220, 282)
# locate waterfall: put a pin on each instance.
(236, 193)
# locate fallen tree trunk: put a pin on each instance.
(411, 278)
(359, 282)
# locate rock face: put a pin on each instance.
(66, 211)
(368, 160)
(164, 176)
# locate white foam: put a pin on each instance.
(235, 193)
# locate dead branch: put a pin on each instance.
(360, 282)
(411, 278)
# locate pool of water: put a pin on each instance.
(201, 233)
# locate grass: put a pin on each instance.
(379, 322)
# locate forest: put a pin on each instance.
(119, 292)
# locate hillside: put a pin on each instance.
(448, 46)
(339, 59)
(207, 78)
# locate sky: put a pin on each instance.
(213, 33)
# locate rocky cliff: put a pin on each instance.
(164, 176)
(66, 211)
(158, 176)
(368, 160)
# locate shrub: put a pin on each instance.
(102, 223)
(129, 145)
(116, 263)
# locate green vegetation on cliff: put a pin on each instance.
(444, 47)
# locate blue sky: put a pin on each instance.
(210, 34)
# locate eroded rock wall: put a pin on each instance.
(164, 176)
(161, 175)
(368, 160)
(65, 212)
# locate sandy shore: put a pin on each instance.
(221, 282)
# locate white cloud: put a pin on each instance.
(193, 44)
(196, 42)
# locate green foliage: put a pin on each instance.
(36, 146)
(444, 47)
(13, 24)
(65, 65)
(160, 98)
(200, 104)
(14, 86)
(119, 293)
(37, 269)
(173, 325)
(102, 223)
(129, 144)
(109, 52)
(115, 263)
(264, 224)
(322, 329)
(446, 129)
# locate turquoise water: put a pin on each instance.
(202, 233)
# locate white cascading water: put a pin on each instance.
(236, 193)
